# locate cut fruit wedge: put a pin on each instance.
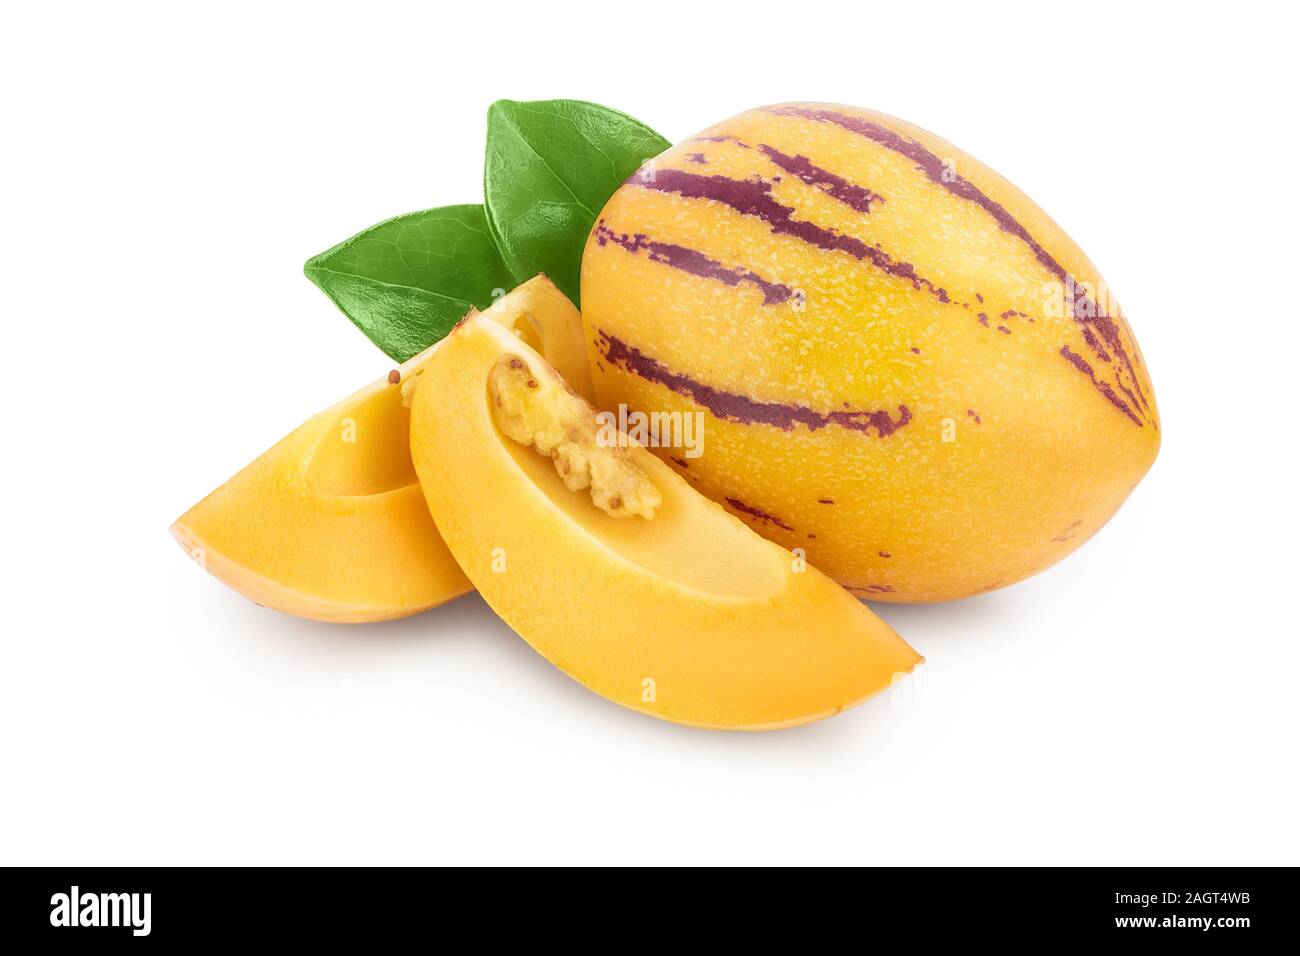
(330, 523)
(687, 615)
(540, 314)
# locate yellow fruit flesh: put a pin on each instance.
(923, 434)
(540, 314)
(688, 615)
(330, 524)
(537, 410)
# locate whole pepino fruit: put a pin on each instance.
(903, 365)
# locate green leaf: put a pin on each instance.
(551, 166)
(407, 281)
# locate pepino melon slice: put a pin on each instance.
(687, 615)
(330, 523)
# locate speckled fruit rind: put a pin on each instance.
(688, 616)
(330, 523)
(907, 368)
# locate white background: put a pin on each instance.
(165, 173)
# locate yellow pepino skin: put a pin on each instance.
(906, 367)
(686, 615)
